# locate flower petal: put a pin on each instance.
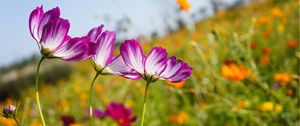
(105, 48)
(76, 49)
(95, 33)
(34, 22)
(173, 67)
(132, 54)
(117, 66)
(184, 73)
(48, 17)
(156, 61)
(54, 34)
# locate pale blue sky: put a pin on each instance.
(17, 43)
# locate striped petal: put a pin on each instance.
(54, 34)
(132, 54)
(117, 66)
(183, 74)
(48, 17)
(105, 48)
(95, 33)
(76, 49)
(173, 67)
(34, 22)
(156, 61)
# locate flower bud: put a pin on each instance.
(9, 111)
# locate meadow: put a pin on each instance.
(245, 64)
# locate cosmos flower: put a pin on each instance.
(121, 114)
(67, 120)
(50, 32)
(118, 112)
(103, 59)
(156, 65)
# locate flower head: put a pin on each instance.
(155, 65)
(103, 59)
(179, 118)
(9, 111)
(233, 72)
(282, 78)
(120, 114)
(184, 5)
(50, 31)
(67, 120)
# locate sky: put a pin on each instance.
(145, 15)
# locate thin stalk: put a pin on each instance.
(145, 104)
(90, 99)
(37, 91)
(16, 120)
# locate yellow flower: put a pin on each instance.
(278, 107)
(267, 106)
(184, 5)
(270, 106)
(179, 118)
(234, 72)
(76, 125)
(280, 28)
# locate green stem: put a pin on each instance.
(90, 99)
(18, 123)
(37, 91)
(145, 104)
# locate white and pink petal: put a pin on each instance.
(34, 21)
(105, 48)
(183, 74)
(117, 66)
(156, 61)
(173, 67)
(54, 34)
(48, 17)
(76, 49)
(95, 33)
(132, 54)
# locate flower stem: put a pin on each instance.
(16, 120)
(145, 104)
(90, 99)
(37, 91)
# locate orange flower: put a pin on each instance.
(276, 11)
(262, 20)
(292, 44)
(264, 59)
(234, 72)
(184, 5)
(179, 118)
(6, 121)
(202, 105)
(253, 45)
(266, 51)
(176, 85)
(282, 78)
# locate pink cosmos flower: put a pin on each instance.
(50, 32)
(156, 65)
(103, 59)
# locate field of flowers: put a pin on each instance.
(245, 64)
